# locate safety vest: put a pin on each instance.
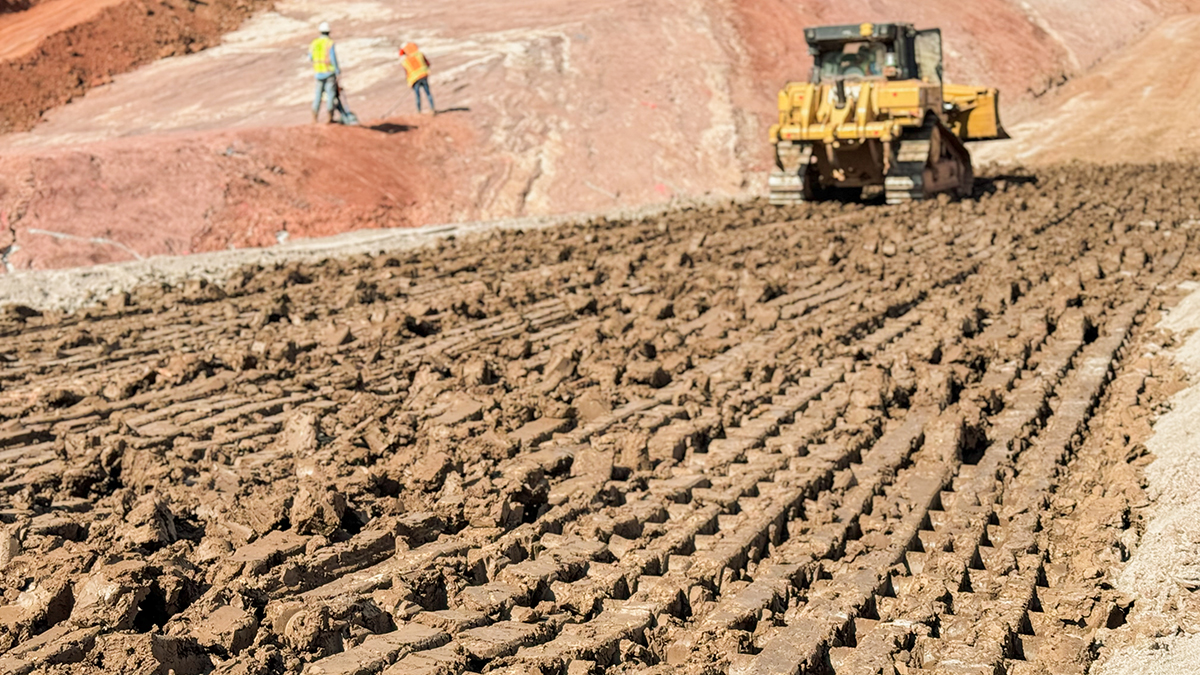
(416, 67)
(320, 55)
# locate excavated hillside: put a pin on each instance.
(549, 109)
(1135, 105)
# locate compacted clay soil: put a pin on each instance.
(731, 439)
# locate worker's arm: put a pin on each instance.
(337, 70)
(427, 64)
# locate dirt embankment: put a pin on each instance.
(10, 6)
(220, 190)
(554, 110)
(1139, 104)
(555, 121)
(57, 50)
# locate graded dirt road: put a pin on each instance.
(733, 439)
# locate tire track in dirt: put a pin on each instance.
(731, 439)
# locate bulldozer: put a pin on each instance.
(876, 112)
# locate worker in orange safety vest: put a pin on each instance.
(326, 69)
(417, 68)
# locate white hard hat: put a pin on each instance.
(324, 27)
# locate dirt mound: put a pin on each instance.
(730, 439)
(222, 190)
(59, 49)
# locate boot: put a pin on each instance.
(315, 115)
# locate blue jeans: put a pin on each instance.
(423, 84)
(328, 87)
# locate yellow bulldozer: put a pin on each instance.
(877, 113)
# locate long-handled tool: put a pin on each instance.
(344, 115)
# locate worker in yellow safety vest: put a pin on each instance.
(417, 68)
(326, 69)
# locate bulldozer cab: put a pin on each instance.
(864, 51)
(853, 60)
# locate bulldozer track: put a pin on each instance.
(921, 154)
(737, 439)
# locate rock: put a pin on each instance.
(312, 630)
(431, 470)
(111, 595)
(231, 628)
(299, 435)
(592, 405)
(152, 654)
(337, 336)
(317, 511)
(10, 546)
(647, 372)
(150, 524)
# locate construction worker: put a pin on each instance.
(417, 68)
(326, 70)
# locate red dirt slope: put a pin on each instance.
(1137, 105)
(558, 108)
(219, 190)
